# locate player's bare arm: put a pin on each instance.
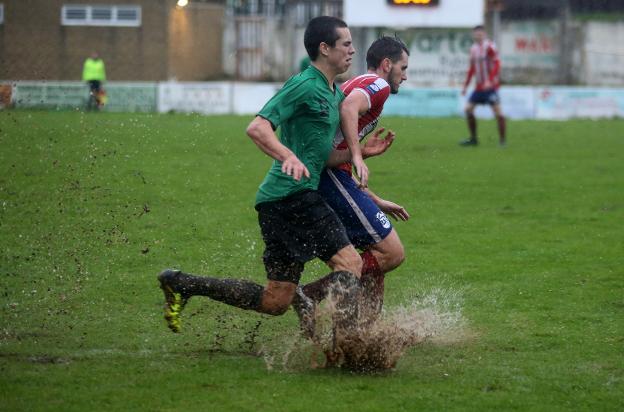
(351, 109)
(376, 144)
(262, 134)
(397, 212)
(469, 74)
(338, 157)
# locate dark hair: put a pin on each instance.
(385, 47)
(321, 30)
(479, 27)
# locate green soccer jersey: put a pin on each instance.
(306, 109)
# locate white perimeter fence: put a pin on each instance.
(213, 98)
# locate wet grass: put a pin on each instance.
(93, 206)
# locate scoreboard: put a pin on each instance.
(414, 13)
(420, 3)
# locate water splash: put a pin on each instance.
(373, 343)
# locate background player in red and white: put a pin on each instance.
(363, 213)
(485, 67)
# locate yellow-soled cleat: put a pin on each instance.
(174, 301)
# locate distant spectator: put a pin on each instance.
(94, 74)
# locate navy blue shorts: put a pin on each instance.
(365, 223)
(485, 97)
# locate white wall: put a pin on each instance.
(603, 54)
(529, 50)
(214, 98)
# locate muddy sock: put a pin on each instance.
(502, 128)
(346, 290)
(472, 125)
(240, 293)
(318, 290)
(372, 281)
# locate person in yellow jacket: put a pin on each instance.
(94, 73)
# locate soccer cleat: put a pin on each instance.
(174, 301)
(305, 309)
(469, 142)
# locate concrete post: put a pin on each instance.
(566, 43)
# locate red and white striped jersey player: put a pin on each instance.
(485, 67)
(363, 213)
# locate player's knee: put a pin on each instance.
(469, 110)
(277, 297)
(276, 307)
(277, 310)
(398, 256)
(393, 258)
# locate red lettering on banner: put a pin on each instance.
(534, 45)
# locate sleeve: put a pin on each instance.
(376, 92)
(495, 68)
(283, 105)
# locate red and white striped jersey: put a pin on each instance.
(484, 65)
(376, 91)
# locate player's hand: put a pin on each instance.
(463, 92)
(376, 144)
(395, 211)
(487, 85)
(292, 166)
(361, 170)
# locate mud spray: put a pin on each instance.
(373, 343)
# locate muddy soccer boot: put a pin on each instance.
(174, 299)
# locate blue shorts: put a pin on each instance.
(485, 97)
(366, 224)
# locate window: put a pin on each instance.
(128, 14)
(267, 8)
(1, 13)
(80, 15)
(102, 14)
(302, 11)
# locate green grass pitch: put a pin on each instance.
(93, 206)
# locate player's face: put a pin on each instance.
(398, 73)
(478, 35)
(340, 55)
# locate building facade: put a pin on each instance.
(139, 40)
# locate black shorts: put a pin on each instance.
(297, 229)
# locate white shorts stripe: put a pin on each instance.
(358, 212)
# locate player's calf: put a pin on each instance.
(178, 287)
(346, 259)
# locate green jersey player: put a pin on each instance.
(296, 223)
